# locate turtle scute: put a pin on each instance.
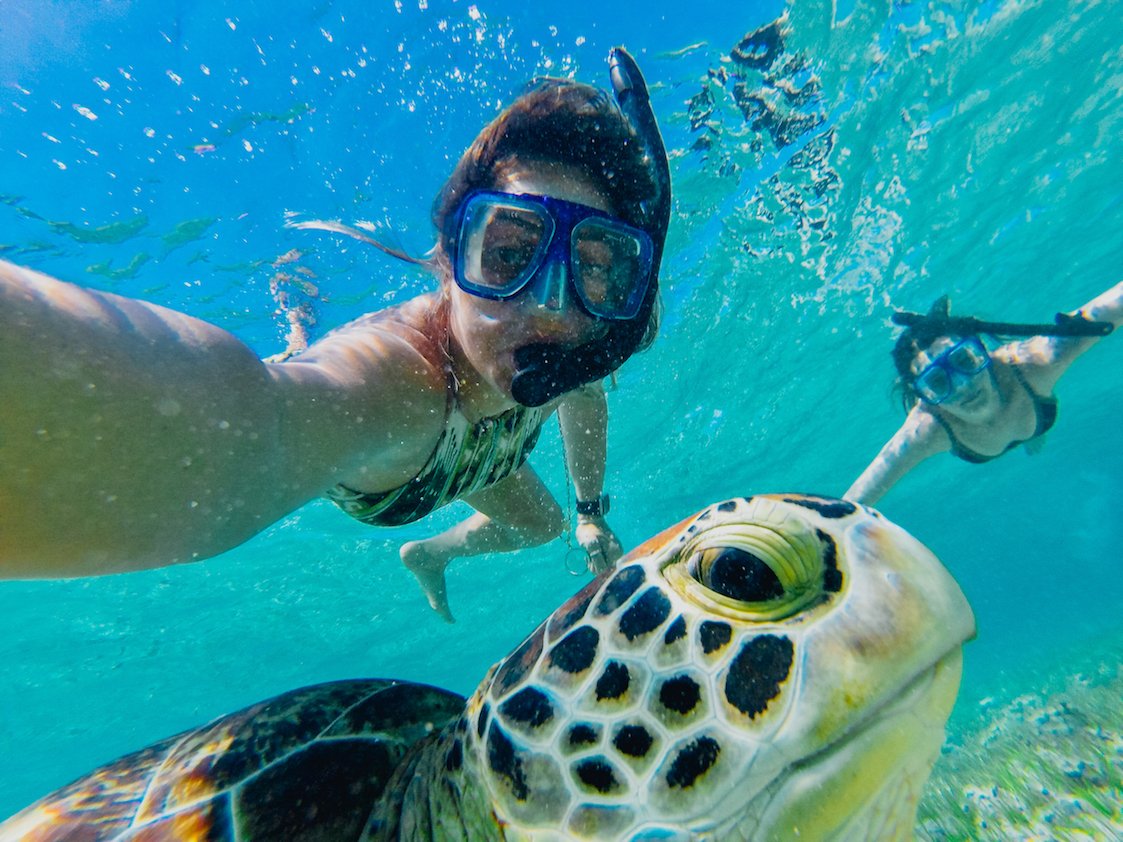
(774, 667)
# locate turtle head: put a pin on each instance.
(773, 667)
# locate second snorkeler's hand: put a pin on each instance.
(599, 542)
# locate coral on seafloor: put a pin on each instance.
(1041, 767)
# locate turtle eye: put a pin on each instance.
(736, 573)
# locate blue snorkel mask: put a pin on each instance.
(948, 371)
(546, 371)
(507, 243)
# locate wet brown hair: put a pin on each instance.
(908, 346)
(555, 120)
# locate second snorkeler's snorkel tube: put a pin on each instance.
(940, 320)
(546, 371)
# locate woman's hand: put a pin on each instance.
(599, 542)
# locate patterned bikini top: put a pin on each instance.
(468, 458)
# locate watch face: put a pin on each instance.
(595, 508)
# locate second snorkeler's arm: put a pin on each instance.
(1043, 359)
(918, 438)
(583, 418)
(133, 436)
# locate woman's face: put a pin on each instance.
(489, 332)
(957, 368)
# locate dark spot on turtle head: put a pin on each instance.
(756, 673)
(519, 663)
(576, 651)
(574, 609)
(481, 723)
(704, 516)
(583, 735)
(825, 506)
(675, 631)
(693, 761)
(613, 682)
(680, 694)
(747, 500)
(530, 706)
(597, 774)
(714, 636)
(455, 757)
(633, 740)
(727, 506)
(625, 583)
(504, 761)
(832, 576)
(645, 614)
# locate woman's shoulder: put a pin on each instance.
(1033, 361)
(924, 431)
(397, 350)
(414, 328)
(418, 320)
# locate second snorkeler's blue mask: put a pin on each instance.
(938, 380)
(546, 371)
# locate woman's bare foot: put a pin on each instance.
(429, 570)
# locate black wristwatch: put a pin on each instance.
(593, 508)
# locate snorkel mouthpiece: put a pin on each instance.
(546, 371)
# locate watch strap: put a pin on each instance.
(593, 508)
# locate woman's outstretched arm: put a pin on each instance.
(133, 436)
(917, 439)
(1045, 358)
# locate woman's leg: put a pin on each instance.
(515, 513)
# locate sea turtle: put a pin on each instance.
(774, 667)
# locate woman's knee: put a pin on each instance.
(546, 525)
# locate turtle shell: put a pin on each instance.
(307, 764)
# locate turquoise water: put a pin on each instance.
(157, 149)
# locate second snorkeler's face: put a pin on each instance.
(489, 332)
(949, 373)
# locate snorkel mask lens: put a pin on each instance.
(500, 245)
(933, 385)
(936, 383)
(968, 357)
(611, 266)
(505, 240)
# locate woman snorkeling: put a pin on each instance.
(134, 436)
(975, 402)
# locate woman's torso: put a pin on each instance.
(1023, 415)
(470, 454)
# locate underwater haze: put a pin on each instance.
(831, 162)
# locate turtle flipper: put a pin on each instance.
(312, 760)
(99, 806)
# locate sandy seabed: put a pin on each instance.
(1042, 767)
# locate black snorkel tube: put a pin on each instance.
(547, 371)
(1064, 325)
